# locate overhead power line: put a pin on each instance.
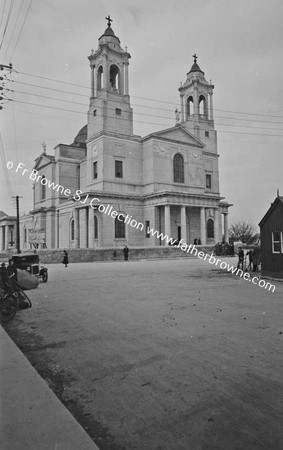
(148, 123)
(21, 29)
(7, 22)
(133, 96)
(15, 24)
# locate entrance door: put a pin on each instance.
(179, 233)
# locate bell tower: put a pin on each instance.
(109, 106)
(196, 96)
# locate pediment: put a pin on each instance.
(42, 161)
(177, 135)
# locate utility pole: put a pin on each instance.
(18, 223)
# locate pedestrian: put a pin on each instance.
(13, 274)
(256, 257)
(126, 253)
(5, 285)
(250, 255)
(65, 258)
(241, 255)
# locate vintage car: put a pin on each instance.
(30, 262)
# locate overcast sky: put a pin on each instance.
(239, 45)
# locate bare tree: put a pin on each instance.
(244, 232)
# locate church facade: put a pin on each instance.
(111, 187)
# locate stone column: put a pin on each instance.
(95, 81)
(121, 81)
(182, 108)
(90, 228)
(126, 66)
(167, 222)
(202, 227)
(216, 226)
(83, 220)
(183, 224)
(86, 211)
(1, 239)
(226, 234)
(211, 106)
(77, 229)
(105, 73)
(92, 80)
(7, 237)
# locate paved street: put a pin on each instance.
(167, 354)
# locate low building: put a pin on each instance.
(8, 225)
(271, 231)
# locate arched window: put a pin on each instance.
(202, 105)
(120, 228)
(72, 229)
(95, 227)
(210, 228)
(190, 106)
(178, 168)
(100, 78)
(43, 188)
(114, 77)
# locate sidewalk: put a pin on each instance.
(31, 416)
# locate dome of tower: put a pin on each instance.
(81, 138)
(109, 32)
(195, 68)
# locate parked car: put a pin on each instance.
(30, 262)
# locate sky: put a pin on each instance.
(239, 47)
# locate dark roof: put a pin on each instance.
(3, 214)
(195, 68)
(109, 32)
(277, 201)
(80, 139)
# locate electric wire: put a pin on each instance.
(3, 14)
(7, 22)
(143, 98)
(149, 107)
(21, 29)
(163, 117)
(15, 24)
(148, 123)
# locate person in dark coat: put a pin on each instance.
(250, 255)
(126, 253)
(256, 257)
(241, 256)
(65, 258)
(5, 285)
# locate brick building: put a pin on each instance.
(166, 181)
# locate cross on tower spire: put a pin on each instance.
(195, 58)
(109, 20)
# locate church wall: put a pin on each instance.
(134, 236)
(193, 221)
(67, 176)
(25, 222)
(50, 229)
(151, 215)
(64, 228)
(46, 171)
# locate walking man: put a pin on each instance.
(65, 258)
(126, 253)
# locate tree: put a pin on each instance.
(244, 232)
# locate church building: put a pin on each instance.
(110, 187)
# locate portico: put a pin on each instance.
(191, 222)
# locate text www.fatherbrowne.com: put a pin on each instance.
(192, 250)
